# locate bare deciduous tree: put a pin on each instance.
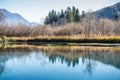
(88, 22)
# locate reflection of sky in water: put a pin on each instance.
(37, 66)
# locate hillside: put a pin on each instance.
(109, 12)
(13, 18)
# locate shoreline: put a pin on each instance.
(64, 41)
(63, 44)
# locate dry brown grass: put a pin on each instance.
(77, 38)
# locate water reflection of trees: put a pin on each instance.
(54, 57)
(105, 55)
(69, 55)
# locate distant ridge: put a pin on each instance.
(109, 12)
(14, 18)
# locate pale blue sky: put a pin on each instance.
(35, 10)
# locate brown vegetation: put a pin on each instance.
(89, 27)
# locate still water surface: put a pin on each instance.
(59, 63)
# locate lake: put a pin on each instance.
(59, 62)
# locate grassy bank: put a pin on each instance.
(63, 39)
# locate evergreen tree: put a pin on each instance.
(116, 16)
(69, 15)
(77, 16)
(62, 14)
(54, 17)
(50, 17)
(46, 20)
(63, 17)
(74, 13)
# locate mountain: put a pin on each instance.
(109, 12)
(13, 18)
